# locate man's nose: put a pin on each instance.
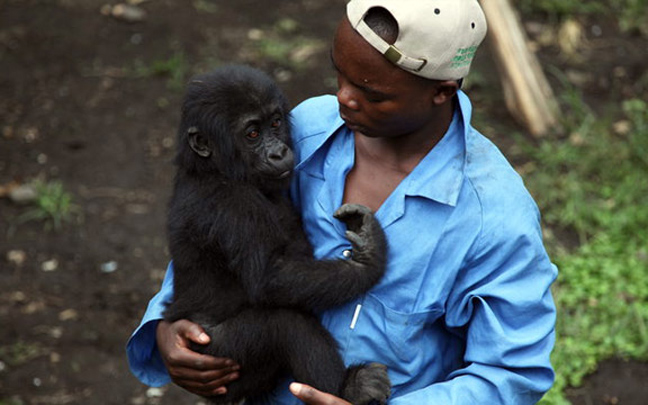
(347, 96)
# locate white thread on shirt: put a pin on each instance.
(355, 316)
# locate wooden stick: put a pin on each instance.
(527, 92)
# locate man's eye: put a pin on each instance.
(375, 98)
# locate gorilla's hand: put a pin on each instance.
(364, 232)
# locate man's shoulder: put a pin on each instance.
(316, 104)
(314, 115)
(486, 167)
(313, 121)
(497, 185)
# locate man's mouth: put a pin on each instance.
(351, 124)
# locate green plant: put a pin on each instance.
(205, 6)
(560, 8)
(601, 295)
(175, 68)
(595, 182)
(291, 53)
(20, 352)
(275, 49)
(633, 16)
(11, 401)
(53, 205)
(595, 178)
(283, 45)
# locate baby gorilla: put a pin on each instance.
(244, 269)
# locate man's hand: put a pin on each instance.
(197, 373)
(311, 396)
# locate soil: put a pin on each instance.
(85, 100)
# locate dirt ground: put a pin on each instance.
(80, 102)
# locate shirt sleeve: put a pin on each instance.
(143, 356)
(502, 305)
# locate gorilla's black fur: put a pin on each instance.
(243, 267)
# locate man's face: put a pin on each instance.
(378, 99)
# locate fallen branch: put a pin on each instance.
(527, 92)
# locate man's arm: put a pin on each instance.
(143, 356)
(501, 302)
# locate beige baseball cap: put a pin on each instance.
(437, 39)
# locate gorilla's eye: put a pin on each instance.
(276, 123)
(253, 134)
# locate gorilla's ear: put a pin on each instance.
(198, 142)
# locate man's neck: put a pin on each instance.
(381, 164)
(403, 153)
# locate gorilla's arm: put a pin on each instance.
(313, 284)
(272, 276)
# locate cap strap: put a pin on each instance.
(393, 54)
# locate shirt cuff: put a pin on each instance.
(143, 356)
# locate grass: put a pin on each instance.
(205, 6)
(20, 353)
(594, 183)
(283, 45)
(176, 69)
(632, 14)
(560, 8)
(53, 206)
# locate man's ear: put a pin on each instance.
(198, 142)
(445, 91)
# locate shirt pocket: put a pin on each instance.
(395, 337)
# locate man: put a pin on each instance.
(464, 314)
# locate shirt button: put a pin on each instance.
(347, 254)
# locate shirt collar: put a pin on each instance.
(439, 176)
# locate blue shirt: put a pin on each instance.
(464, 313)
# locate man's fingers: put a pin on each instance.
(206, 383)
(311, 396)
(191, 331)
(198, 373)
(215, 377)
(204, 390)
(209, 363)
(184, 357)
(201, 362)
(301, 391)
